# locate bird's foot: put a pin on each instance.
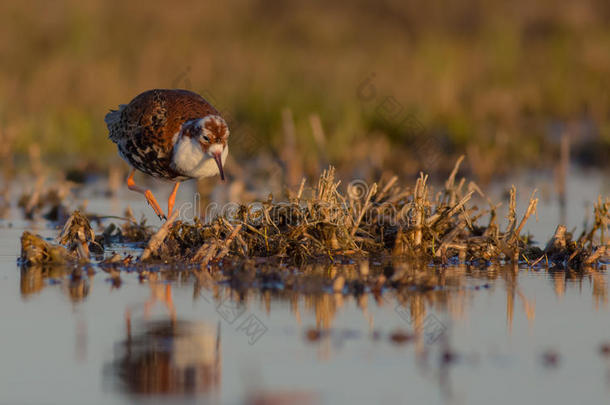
(154, 204)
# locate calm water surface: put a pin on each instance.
(499, 335)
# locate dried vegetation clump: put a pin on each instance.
(565, 251)
(35, 250)
(76, 242)
(381, 220)
(131, 231)
(323, 224)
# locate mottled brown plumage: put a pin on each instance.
(169, 134)
(144, 129)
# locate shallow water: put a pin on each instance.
(495, 335)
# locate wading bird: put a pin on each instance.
(173, 135)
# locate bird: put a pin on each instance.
(169, 134)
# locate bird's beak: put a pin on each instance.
(218, 159)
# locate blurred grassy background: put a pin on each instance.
(498, 80)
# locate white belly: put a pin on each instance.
(191, 161)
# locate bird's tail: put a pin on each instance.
(113, 121)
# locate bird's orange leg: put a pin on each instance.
(169, 302)
(172, 200)
(147, 193)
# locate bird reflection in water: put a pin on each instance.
(169, 357)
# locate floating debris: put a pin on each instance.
(604, 349)
(550, 358)
(448, 357)
(401, 337)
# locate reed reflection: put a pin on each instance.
(179, 357)
(323, 290)
(414, 291)
(75, 283)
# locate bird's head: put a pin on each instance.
(212, 133)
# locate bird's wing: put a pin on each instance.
(158, 114)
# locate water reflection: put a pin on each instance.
(33, 279)
(183, 357)
(169, 357)
(74, 282)
(413, 291)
